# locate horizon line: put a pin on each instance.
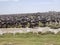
(27, 12)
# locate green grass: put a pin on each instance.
(29, 39)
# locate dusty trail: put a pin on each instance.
(26, 30)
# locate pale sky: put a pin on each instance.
(28, 6)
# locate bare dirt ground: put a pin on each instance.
(26, 30)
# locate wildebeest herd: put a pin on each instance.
(29, 20)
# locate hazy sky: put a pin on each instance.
(28, 6)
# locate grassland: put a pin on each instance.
(29, 39)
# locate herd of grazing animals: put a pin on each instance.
(30, 20)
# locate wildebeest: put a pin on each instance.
(32, 19)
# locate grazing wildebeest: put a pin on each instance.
(43, 21)
(33, 23)
(24, 22)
